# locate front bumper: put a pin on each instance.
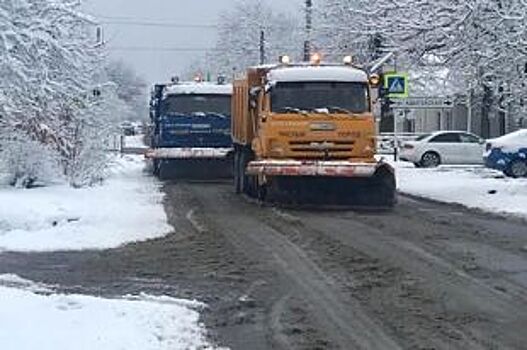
(188, 153)
(314, 168)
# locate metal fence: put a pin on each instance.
(115, 143)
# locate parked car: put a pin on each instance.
(508, 154)
(127, 128)
(443, 147)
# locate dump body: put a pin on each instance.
(191, 126)
(304, 122)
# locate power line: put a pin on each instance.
(157, 49)
(159, 24)
(150, 22)
(164, 23)
(201, 49)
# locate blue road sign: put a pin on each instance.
(396, 84)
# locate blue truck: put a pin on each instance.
(190, 133)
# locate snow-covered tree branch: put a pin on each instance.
(476, 45)
(50, 68)
(239, 34)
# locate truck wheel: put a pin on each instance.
(244, 179)
(155, 167)
(262, 192)
(385, 188)
(237, 177)
(517, 168)
(247, 183)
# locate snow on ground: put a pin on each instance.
(34, 317)
(126, 208)
(471, 186)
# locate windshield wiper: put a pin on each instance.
(216, 114)
(293, 110)
(339, 110)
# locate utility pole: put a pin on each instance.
(469, 108)
(309, 29)
(99, 37)
(262, 47)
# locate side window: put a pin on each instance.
(446, 138)
(468, 138)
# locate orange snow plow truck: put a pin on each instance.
(306, 133)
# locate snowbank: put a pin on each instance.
(126, 208)
(473, 187)
(33, 317)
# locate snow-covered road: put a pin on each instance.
(34, 317)
(125, 208)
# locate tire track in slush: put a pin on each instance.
(340, 316)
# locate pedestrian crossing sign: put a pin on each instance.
(396, 85)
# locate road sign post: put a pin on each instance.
(396, 87)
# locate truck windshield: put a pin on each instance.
(335, 97)
(189, 104)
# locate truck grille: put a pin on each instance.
(322, 149)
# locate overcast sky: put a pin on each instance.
(160, 65)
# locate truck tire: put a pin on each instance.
(385, 188)
(247, 182)
(237, 177)
(155, 167)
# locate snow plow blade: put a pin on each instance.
(191, 163)
(295, 168)
(328, 182)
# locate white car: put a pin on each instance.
(443, 147)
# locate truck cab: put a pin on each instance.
(316, 113)
(308, 130)
(191, 125)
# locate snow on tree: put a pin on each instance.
(49, 65)
(342, 28)
(239, 34)
(480, 44)
(131, 89)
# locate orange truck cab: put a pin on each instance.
(307, 126)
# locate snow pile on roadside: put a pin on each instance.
(473, 187)
(126, 208)
(33, 317)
